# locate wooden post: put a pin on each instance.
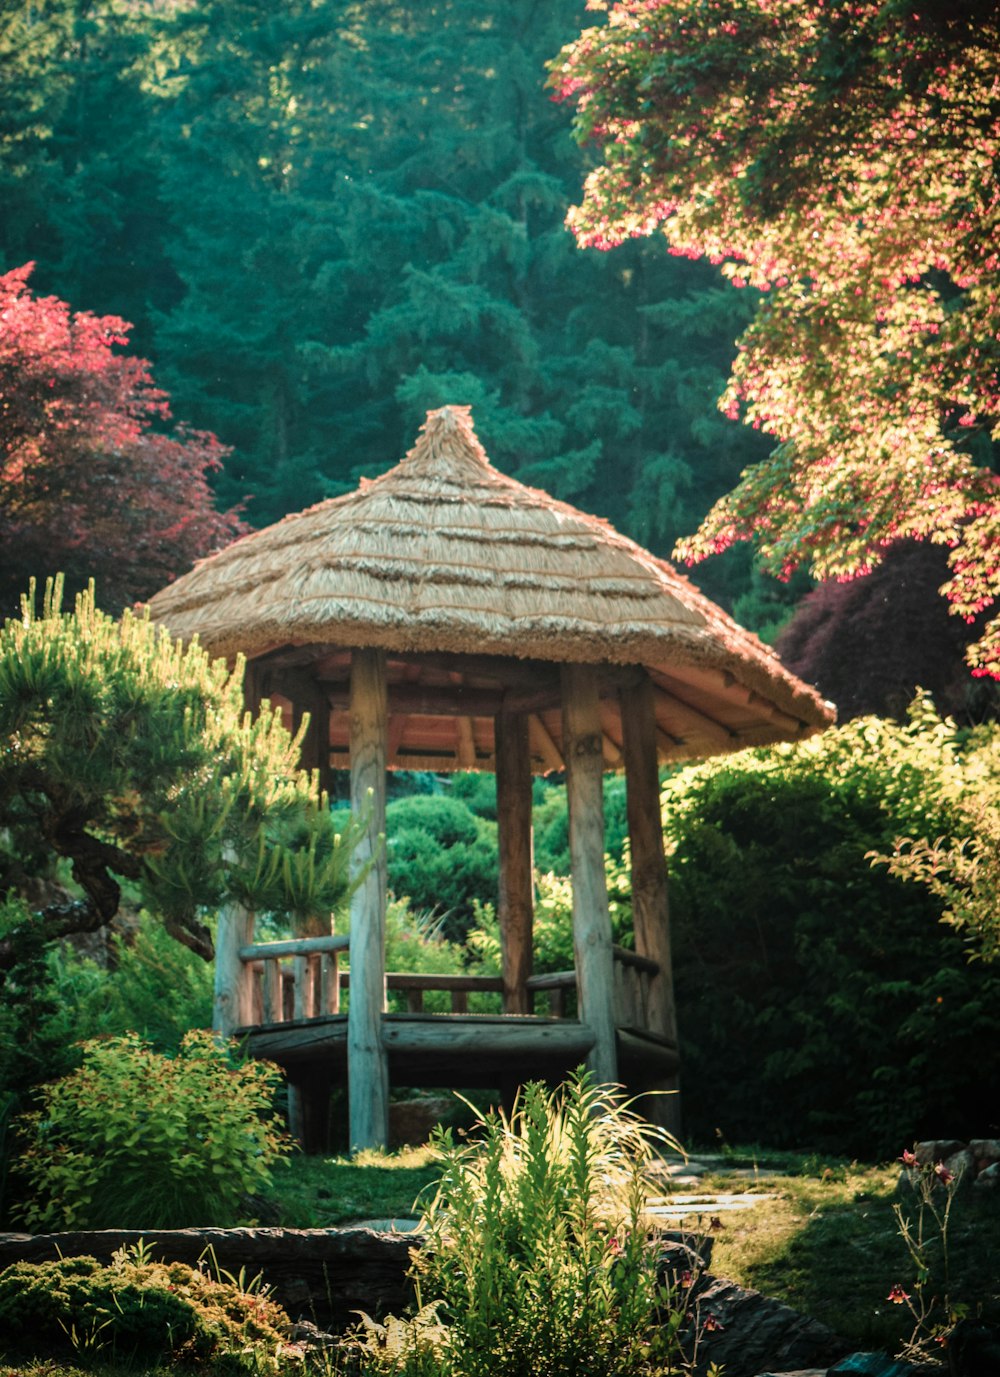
(592, 941)
(650, 911)
(515, 907)
(233, 993)
(367, 1064)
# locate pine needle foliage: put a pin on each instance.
(538, 1256)
(131, 757)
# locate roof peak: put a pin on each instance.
(447, 448)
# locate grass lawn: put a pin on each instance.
(827, 1243)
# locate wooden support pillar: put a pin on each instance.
(515, 907)
(592, 941)
(367, 1065)
(650, 910)
(232, 1002)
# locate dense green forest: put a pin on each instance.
(324, 219)
(321, 221)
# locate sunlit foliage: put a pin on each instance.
(841, 159)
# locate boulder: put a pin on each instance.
(411, 1121)
(988, 1178)
(986, 1151)
(936, 1150)
(962, 1166)
(746, 1333)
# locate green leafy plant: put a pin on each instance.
(135, 1139)
(136, 1309)
(821, 1002)
(538, 1256)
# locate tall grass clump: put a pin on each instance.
(538, 1255)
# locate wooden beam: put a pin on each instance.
(693, 719)
(543, 744)
(650, 910)
(502, 669)
(474, 1038)
(443, 700)
(368, 1073)
(592, 941)
(515, 906)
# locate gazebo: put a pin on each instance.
(446, 617)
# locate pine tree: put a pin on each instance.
(132, 759)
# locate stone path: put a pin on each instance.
(673, 1206)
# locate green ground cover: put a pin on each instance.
(824, 1238)
(826, 1242)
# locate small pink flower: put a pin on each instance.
(908, 1159)
(711, 1324)
(897, 1295)
(614, 1247)
(686, 1278)
(943, 1174)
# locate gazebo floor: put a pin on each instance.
(459, 1050)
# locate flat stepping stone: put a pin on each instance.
(684, 1206)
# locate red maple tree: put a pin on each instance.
(94, 480)
(840, 158)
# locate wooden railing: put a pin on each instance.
(301, 978)
(633, 977)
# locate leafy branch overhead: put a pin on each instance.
(841, 160)
(131, 757)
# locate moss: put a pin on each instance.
(132, 1308)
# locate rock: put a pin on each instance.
(986, 1151)
(411, 1121)
(799, 1372)
(929, 1153)
(988, 1178)
(871, 1365)
(975, 1349)
(962, 1165)
(323, 1275)
(746, 1333)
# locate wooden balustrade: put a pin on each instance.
(633, 976)
(301, 979)
(294, 979)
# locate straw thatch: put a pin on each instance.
(445, 555)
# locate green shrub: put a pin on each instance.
(414, 942)
(537, 1257)
(134, 1139)
(820, 1000)
(551, 821)
(478, 791)
(135, 1309)
(442, 857)
(152, 986)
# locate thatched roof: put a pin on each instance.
(445, 554)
